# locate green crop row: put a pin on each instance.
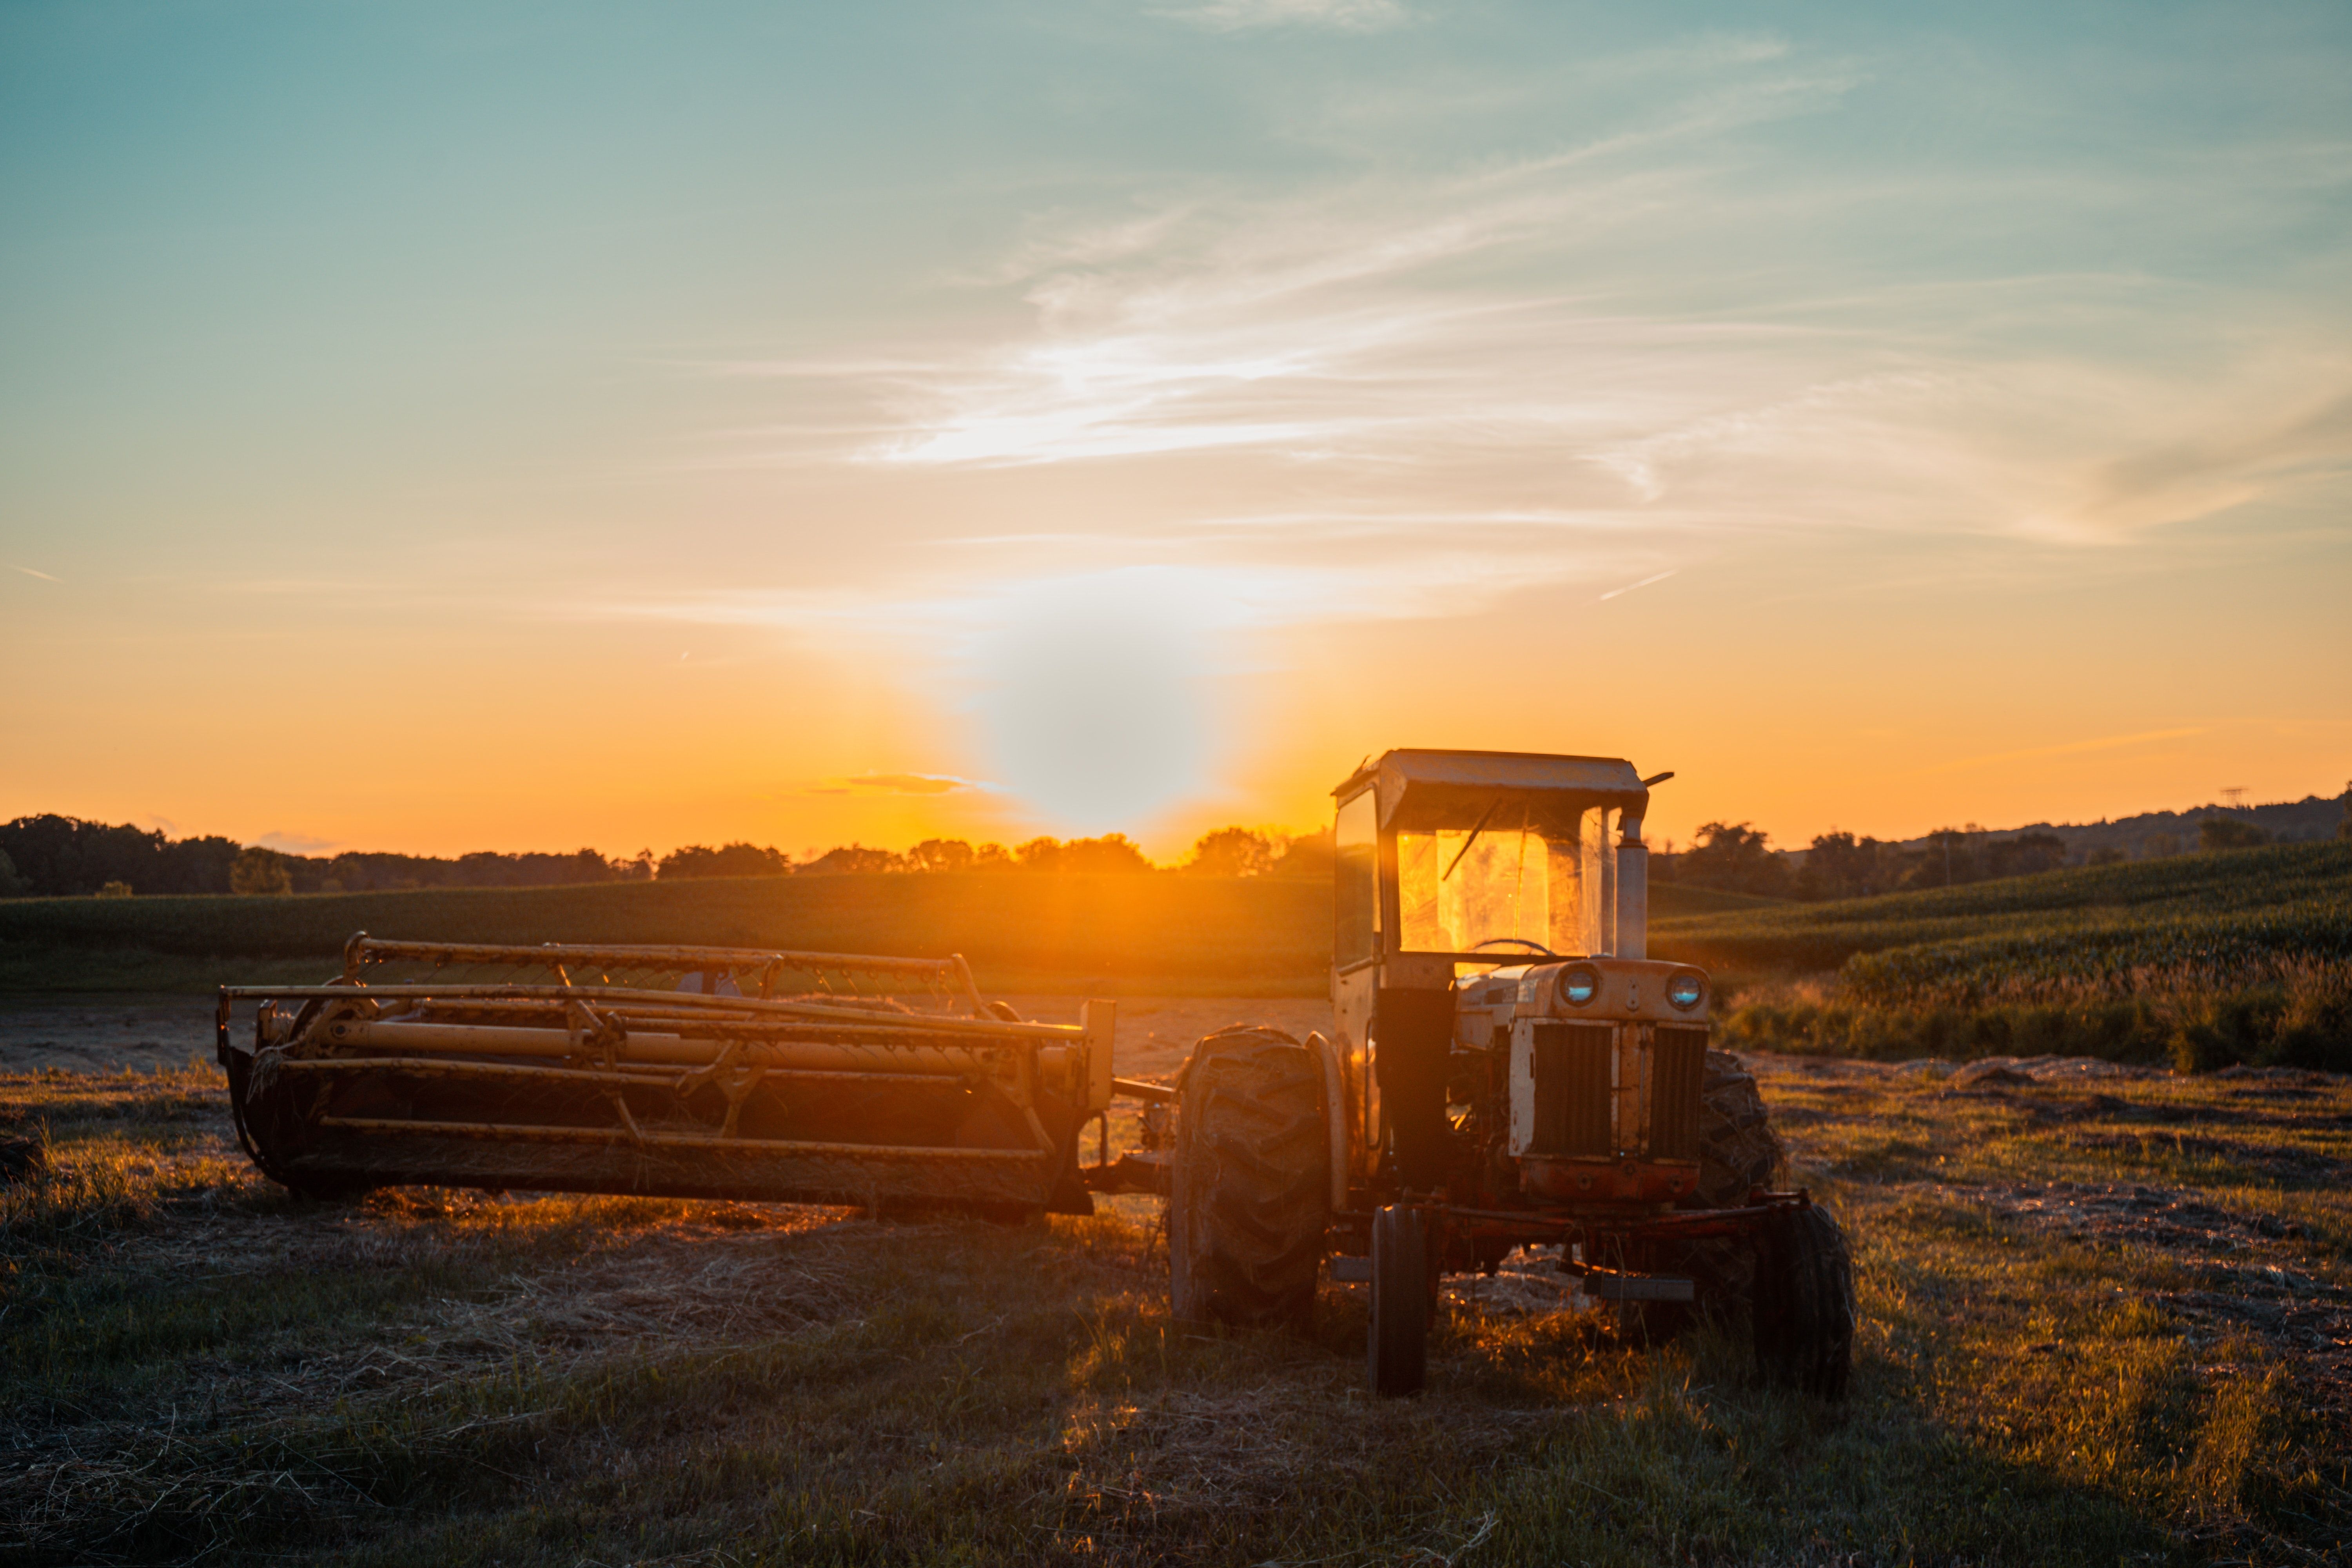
(2201, 907)
(2083, 950)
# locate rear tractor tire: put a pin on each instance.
(1249, 1197)
(1737, 1148)
(1737, 1151)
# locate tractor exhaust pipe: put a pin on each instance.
(1633, 879)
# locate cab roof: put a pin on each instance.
(1441, 783)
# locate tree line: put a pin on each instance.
(51, 856)
(1224, 852)
(1735, 857)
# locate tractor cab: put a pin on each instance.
(1494, 906)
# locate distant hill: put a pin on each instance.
(2286, 821)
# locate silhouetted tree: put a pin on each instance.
(940, 855)
(1231, 852)
(1948, 860)
(260, 872)
(1841, 865)
(1039, 854)
(2024, 855)
(64, 855)
(1307, 854)
(850, 860)
(1111, 852)
(2221, 833)
(737, 859)
(1734, 857)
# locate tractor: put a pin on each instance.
(1508, 1068)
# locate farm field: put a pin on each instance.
(2232, 908)
(2200, 960)
(1106, 934)
(1213, 936)
(2107, 1317)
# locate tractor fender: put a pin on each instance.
(1334, 1114)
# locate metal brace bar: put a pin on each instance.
(672, 1140)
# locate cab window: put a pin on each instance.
(1357, 883)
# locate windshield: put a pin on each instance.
(1457, 887)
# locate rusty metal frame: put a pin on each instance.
(607, 1040)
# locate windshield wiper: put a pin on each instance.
(1478, 828)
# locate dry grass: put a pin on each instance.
(2106, 1320)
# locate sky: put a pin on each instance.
(450, 426)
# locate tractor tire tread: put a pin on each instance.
(1249, 1198)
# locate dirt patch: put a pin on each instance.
(103, 1033)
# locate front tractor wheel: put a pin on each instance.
(1396, 1349)
(1804, 1304)
(1249, 1198)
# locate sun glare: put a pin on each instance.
(1090, 696)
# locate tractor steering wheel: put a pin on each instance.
(1519, 940)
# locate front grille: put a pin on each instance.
(1572, 1067)
(1677, 1078)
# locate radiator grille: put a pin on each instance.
(1678, 1077)
(1572, 1064)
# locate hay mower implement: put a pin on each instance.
(666, 1072)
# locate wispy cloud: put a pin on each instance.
(1654, 577)
(296, 843)
(1246, 15)
(892, 783)
(1522, 335)
(28, 572)
(2071, 748)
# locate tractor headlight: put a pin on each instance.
(1684, 987)
(1579, 986)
